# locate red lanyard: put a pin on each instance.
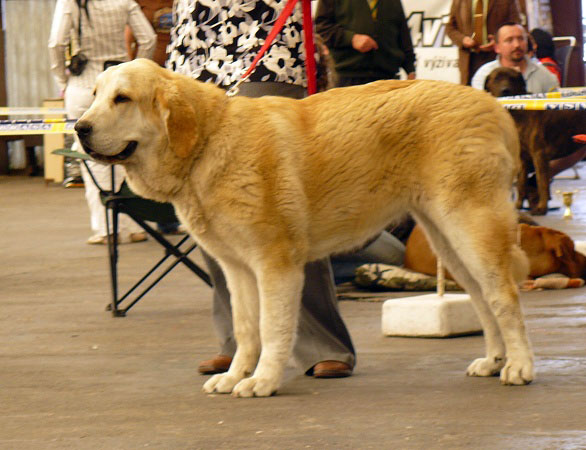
(309, 47)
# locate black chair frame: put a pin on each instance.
(140, 210)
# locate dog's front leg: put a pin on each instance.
(280, 296)
(245, 316)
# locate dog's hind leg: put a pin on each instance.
(280, 290)
(479, 249)
(495, 346)
(245, 316)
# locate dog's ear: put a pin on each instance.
(561, 245)
(179, 118)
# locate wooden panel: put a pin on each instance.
(53, 163)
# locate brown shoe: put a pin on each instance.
(332, 369)
(218, 364)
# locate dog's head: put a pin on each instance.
(141, 108)
(151, 120)
(504, 82)
(551, 251)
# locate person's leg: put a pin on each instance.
(321, 333)
(221, 309)
(101, 174)
(222, 316)
(77, 101)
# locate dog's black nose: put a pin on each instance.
(83, 129)
(506, 93)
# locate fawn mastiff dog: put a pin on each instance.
(267, 184)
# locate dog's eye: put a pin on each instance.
(121, 99)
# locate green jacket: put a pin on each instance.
(338, 20)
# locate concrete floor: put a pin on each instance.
(71, 376)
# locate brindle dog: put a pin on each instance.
(544, 136)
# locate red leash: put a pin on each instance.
(309, 47)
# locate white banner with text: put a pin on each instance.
(437, 57)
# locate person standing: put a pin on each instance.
(472, 25)
(216, 42)
(94, 30)
(368, 40)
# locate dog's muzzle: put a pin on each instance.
(84, 131)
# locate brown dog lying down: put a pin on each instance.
(544, 136)
(548, 250)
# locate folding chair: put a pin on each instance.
(564, 45)
(140, 210)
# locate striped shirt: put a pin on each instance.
(102, 37)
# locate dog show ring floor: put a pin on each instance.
(74, 377)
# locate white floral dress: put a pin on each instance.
(216, 40)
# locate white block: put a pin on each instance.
(430, 316)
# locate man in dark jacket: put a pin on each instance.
(368, 40)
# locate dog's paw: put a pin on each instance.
(255, 387)
(517, 373)
(485, 367)
(222, 383)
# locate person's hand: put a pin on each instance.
(489, 47)
(363, 43)
(468, 42)
(411, 76)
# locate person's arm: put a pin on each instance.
(333, 34)
(59, 40)
(452, 29)
(141, 29)
(131, 47)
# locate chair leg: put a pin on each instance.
(113, 257)
(174, 250)
(180, 255)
